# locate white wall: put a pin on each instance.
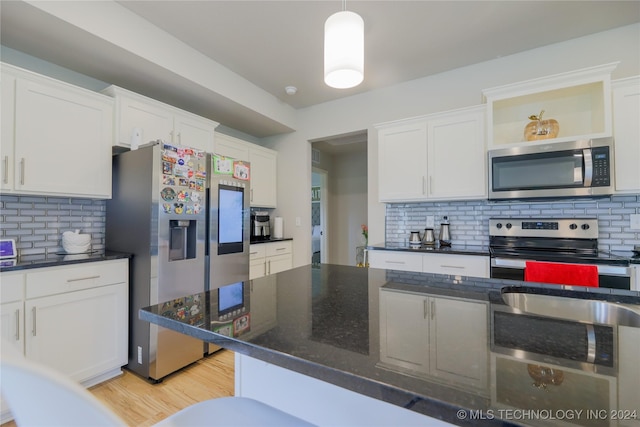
(454, 89)
(348, 206)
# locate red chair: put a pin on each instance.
(561, 273)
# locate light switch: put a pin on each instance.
(635, 221)
(431, 221)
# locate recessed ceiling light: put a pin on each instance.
(291, 90)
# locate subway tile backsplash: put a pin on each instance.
(37, 222)
(470, 219)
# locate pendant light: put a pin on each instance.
(344, 49)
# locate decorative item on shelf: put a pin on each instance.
(365, 234)
(539, 129)
(544, 376)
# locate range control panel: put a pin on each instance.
(582, 228)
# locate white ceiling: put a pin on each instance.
(274, 44)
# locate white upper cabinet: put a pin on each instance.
(142, 119)
(580, 101)
(626, 133)
(436, 157)
(402, 161)
(456, 154)
(263, 168)
(229, 146)
(263, 177)
(57, 137)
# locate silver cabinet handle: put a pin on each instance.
(5, 176)
(425, 308)
(424, 186)
(22, 171)
(394, 262)
(433, 309)
(269, 267)
(452, 266)
(83, 278)
(18, 325)
(180, 138)
(252, 253)
(33, 317)
(171, 134)
(251, 197)
(281, 249)
(430, 184)
(265, 268)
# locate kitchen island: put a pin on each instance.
(339, 345)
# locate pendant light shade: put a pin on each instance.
(344, 50)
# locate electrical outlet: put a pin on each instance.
(431, 221)
(635, 221)
(139, 355)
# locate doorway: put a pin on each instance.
(319, 202)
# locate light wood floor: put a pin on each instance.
(140, 403)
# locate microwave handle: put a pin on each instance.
(588, 167)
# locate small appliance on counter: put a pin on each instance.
(445, 236)
(414, 239)
(260, 229)
(428, 239)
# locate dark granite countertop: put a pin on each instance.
(284, 239)
(52, 260)
(325, 322)
(436, 249)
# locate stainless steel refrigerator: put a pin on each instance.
(158, 212)
(229, 225)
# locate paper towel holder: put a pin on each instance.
(278, 227)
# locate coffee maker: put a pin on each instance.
(260, 226)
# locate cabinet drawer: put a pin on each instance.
(463, 265)
(11, 287)
(257, 251)
(278, 248)
(404, 261)
(56, 280)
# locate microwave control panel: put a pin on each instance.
(601, 167)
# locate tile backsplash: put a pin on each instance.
(37, 222)
(470, 219)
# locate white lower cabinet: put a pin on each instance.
(453, 264)
(71, 318)
(435, 337)
(270, 258)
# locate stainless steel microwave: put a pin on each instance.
(563, 169)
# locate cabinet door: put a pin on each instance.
(459, 265)
(396, 260)
(63, 141)
(263, 177)
(11, 324)
(150, 120)
(404, 331)
(402, 162)
(457, 156)
(231, 147)
(626, 131)
(458, 329)
(7, 111)
(81, 334)
(194, 132)
(278, 263)
(257, 261)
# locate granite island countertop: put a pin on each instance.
(332, 323)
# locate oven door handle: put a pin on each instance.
(508, 263)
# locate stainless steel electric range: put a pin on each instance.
(514, 241)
